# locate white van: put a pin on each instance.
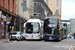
(33, 29)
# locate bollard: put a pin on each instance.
(7, 38)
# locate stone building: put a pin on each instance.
(41, 9)
(55, 6)
(24, 11)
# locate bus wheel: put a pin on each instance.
(59, 39)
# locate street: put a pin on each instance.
(66, 44)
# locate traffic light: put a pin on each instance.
(12, 22)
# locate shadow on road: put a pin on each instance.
(34, 40)
(52, 41)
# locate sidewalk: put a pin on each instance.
(2, 40)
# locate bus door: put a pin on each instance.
(36, 30)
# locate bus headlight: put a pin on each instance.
(38, 36)
(26, 35)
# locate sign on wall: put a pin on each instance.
(24, 5)
(0, 13)
(4, 18)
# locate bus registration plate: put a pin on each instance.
(50, 38)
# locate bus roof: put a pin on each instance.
(34, 20)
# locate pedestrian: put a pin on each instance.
(74, 35)
(9, 35)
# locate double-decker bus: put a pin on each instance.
(52, 28)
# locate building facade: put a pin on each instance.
(41, 10)
(72, 25)
(24, 10)
(7, 12)
(55, 6)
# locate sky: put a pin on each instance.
(68, 9)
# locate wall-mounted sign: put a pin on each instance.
(0, 13)
(24, 5)
(4, 18)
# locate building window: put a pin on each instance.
(57, 3)
(13, 6)
(34, 14)
(4, 3)
(9, 5)
(46, 1)
(40, 4)
(37, 14)
(34, 3)
(37, 4)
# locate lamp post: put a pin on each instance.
(11, 18)
(7, 35)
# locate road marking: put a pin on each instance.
(70, 48)
(13, 41)
(1, 41)
(65, 47)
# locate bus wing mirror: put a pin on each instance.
(59, 29)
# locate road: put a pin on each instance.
(66, 44)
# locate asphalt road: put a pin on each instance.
(66, 44)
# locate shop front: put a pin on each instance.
(7, 23)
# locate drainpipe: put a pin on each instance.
(0, 22)
(15, 24)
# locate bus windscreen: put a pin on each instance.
(50, 25)
(32, 27)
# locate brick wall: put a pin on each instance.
(13, 10)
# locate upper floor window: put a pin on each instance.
(4, 3)
(37, 4)
(46, 1)
(57, 4)
(13, 6)
(9, 5)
